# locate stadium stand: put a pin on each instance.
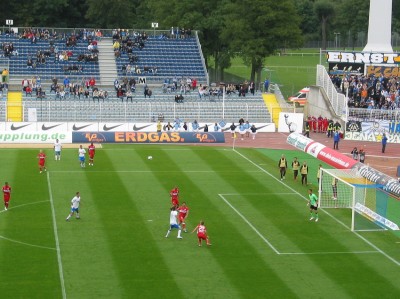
(42, 58)
(176, 83)
(49, 110)
(162, 59)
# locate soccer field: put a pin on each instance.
(263, 244)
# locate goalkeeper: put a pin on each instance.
(313, 203)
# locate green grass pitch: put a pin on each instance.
(264, 246)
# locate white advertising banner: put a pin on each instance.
(45, 132)
(35, 137)
(83, 126)
(290, 122)
(32, 114)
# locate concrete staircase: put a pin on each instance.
(107, 64)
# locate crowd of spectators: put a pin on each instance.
(186, 85)
(124, 42)
(177, 32)
(66, 89)
(370, 92)
(126, 88)
(321, 125)
(8, 50)
(52, 52)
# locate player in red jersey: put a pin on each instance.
(174, 196)
(183, 214)
(92, 151)
(202, 233)
(42, 161)
(6, 195)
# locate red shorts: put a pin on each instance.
(181, 218)
(91, 156)
(202, 236)
(41, 163)
(175, 202)
(6, 199)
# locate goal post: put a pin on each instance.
(371, 207)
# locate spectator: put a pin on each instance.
(384, 142)
(362, 156)
(129, 96)
(4, 75)
(147, 91)
(25, 84)
(28, 91)
(179, 98)
(92, 82)
(252, 87)
(336, 139)
(266, 85)
(120, 93)
(355, 154)
(53, 87)
(29, 63)
(66, 82)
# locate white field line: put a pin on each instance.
(269, 243)
(263, 193)
(332, 252)
(150, 149)
(25, 204)
(249, 224)
(20, 242)
(323, 210)
(26, 244)
(155, 171)
(59, 260)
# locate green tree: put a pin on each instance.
(325, 10)
(308, 19)
(110, 13)
(396, 20)
(256, 29)
(205, 16)
(348, 23)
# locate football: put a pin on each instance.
(150, 157)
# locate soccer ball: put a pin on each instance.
(150, 157)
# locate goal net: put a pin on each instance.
(371, 207)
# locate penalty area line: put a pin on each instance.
(26, 244)
(323, 210)
(249, 224)
(59, 260)
(327, 253)
(152, 171)
(25, 204)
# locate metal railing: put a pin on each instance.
(68, 31)
(337, 100)
(361, 114)
(54, 111)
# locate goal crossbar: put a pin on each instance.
(346, 188)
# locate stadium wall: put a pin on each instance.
(71, 132)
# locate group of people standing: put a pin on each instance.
(296, 166)
(245, 129)
(178, 216)
(42, 167)
(303, 169)
(358, 155)
(321, 125)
